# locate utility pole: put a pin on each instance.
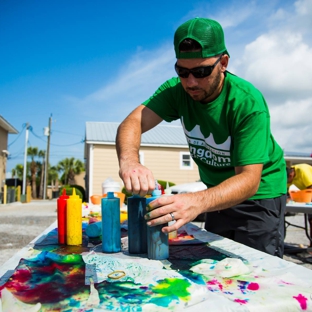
(47, 160)
(25, 159)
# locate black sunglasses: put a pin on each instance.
(197, 72)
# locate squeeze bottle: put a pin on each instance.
(137, 228)
(61, 217)
(74, 220)
(111, 238)
(157, 241)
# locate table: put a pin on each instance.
(198, 276)
(306, 209)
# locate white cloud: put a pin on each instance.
(290, 115)
(291, 125)
(277, 60)
(136, 82)
(304, 9)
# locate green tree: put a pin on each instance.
(18, 171)
(32, 152)
(53, 176)
(70, 167)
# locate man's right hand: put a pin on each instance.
(137, 179)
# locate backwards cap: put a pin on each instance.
(208, 33)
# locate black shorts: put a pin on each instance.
(255, 223)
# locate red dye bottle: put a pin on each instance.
(61, 217)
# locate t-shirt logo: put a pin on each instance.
(206, 149)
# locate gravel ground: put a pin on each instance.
(21, 223)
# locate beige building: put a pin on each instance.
(164, 150)
(5, 129)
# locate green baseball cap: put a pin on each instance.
(208, 33)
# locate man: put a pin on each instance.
(300, 175)
(227, 126)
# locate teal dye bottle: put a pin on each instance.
(137, 228)
(157, 241)
(111, 238)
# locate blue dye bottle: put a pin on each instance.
(157, 241)
(137, 228)
(111, 238)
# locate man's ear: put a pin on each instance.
(224, 62)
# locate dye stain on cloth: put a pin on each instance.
(55, 281)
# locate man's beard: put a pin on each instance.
(211, 89)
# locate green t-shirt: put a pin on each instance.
(233, 130)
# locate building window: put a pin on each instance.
(185, 161)
(141, 158)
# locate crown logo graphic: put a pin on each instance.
(196, 133)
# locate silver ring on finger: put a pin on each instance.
(172, 215)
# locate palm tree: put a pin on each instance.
(33, 152)
(18, 171)
(53, 177)
(70, 167)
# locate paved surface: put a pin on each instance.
(296, 237)
(21, 223)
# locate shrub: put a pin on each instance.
(69, 191)
(81, 189)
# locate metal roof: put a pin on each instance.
(161, 135)
(7, 126)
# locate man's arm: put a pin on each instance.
(137, 178)
(185, 207)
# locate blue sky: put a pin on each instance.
(97, 60)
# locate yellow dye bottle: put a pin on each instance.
(74, 220)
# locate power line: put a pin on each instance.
(23, 127)
(67, 132)
(42, 138)
(18, 154)
(82, 141)
(37, 136)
